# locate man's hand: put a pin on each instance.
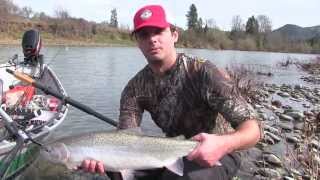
(92, 166)
(212, 147)
(210, 150)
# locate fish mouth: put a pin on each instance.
(57, 153)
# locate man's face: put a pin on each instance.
(156, 44)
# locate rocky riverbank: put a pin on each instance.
(290, 116)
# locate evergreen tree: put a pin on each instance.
(252, 26)
(192, 17)
(114, 18)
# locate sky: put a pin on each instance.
(303, 13)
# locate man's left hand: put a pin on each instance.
(210, 149)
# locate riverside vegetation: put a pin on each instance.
(63, 29)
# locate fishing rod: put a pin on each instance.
(62, 97)
(20, 136)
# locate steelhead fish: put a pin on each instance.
(121, 151)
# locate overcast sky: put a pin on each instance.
(304, 13)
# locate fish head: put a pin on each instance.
(56, 153)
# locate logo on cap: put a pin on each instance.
(146, 14)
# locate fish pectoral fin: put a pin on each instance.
(177, 167)
(127, 174)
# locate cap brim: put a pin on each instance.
(162, 26)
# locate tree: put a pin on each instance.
(199, 25)
(211, 23)
(192, 17)
(252, 26)
(237, 24)
(237, 28)
(265, 25)
(62, 13)
(26, 12)
(114, 18)
(7, 8)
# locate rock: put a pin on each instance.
(287, 107)
(272, 159)
(268, 172)
(273, 136)
(298, 86)
(272, 129)
(292, 139)
(286, 117)
(299, 126)
(314, 143)
(283, 94)
(288, 178)
(257, 106)
(261, 164)
(263, 116)
(316, 159)
(268, 140)
(286, 126)
(295, 172)
(276, 103)
(306, 105)
(297, 115)
(295, 99)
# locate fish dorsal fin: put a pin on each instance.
(177, 167)
(133, 131)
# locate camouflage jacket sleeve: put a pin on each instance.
(130, 111)
(219, 91)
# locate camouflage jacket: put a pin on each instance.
(185, 101)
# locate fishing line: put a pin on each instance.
(54, 57)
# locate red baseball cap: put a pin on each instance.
(151, 15)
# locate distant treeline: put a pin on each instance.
(255, 34)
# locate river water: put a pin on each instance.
(96, 76)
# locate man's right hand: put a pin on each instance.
(92, 166)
